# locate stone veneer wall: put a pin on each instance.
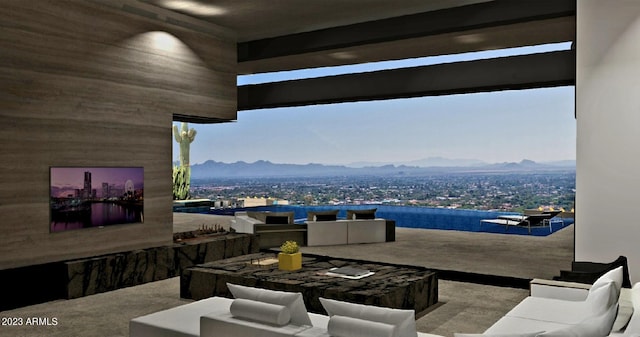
(114, 271)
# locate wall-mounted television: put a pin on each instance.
(86, 197)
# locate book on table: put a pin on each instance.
(350, 271)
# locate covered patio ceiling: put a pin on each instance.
(295, 34)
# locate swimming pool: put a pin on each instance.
(420, 217)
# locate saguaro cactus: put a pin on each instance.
(184, 137)
(180, 184)
(182, 174)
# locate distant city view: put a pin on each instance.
(500, 191)
(504, 151)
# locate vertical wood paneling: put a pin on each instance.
(86, 85)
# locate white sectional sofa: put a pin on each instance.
(265, 313)
(210, 317)
(181, 321)
(554, 309)
(564, 309)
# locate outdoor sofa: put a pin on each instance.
(598, 310)
(360, 226)
(255, 312)
(273, 228)
(320, 229)
(566, 309)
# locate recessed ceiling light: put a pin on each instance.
(343, 55)
(193, 7)
(163, 40)
(470, 38)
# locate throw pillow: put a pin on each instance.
(614, 275)
(276, 220)
(322, 215)
(325, 217)
(403, 320)
(342, 326)
(293, 301)
(260, 311)
(599, 300)
(361, 214)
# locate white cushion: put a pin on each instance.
(508, 324)
(625, 312)
(602, 298)
(561, 311)
(260, 311)
(293, 301)
(226, 325)
(598, 326)
(343, 326)
(181, 321)
(634, 323)
(523, 334)
(404, 320)
(614, 275)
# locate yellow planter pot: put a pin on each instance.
(290, 261)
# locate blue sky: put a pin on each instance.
(503, 126)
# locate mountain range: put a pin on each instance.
(262, 168)
(427, 162)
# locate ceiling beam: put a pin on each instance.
(505, 73)
(457, 19)
(198, 119)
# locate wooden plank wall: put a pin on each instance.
(87, 85)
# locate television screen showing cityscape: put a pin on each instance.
(85, 197)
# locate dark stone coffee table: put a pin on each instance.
(395, 286)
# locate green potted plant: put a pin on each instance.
(290, 257)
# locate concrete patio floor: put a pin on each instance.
(462, 307)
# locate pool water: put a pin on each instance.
(421, 217)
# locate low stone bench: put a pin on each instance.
(114, 271)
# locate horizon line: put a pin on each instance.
(404, 163)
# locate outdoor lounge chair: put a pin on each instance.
(524, 220)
